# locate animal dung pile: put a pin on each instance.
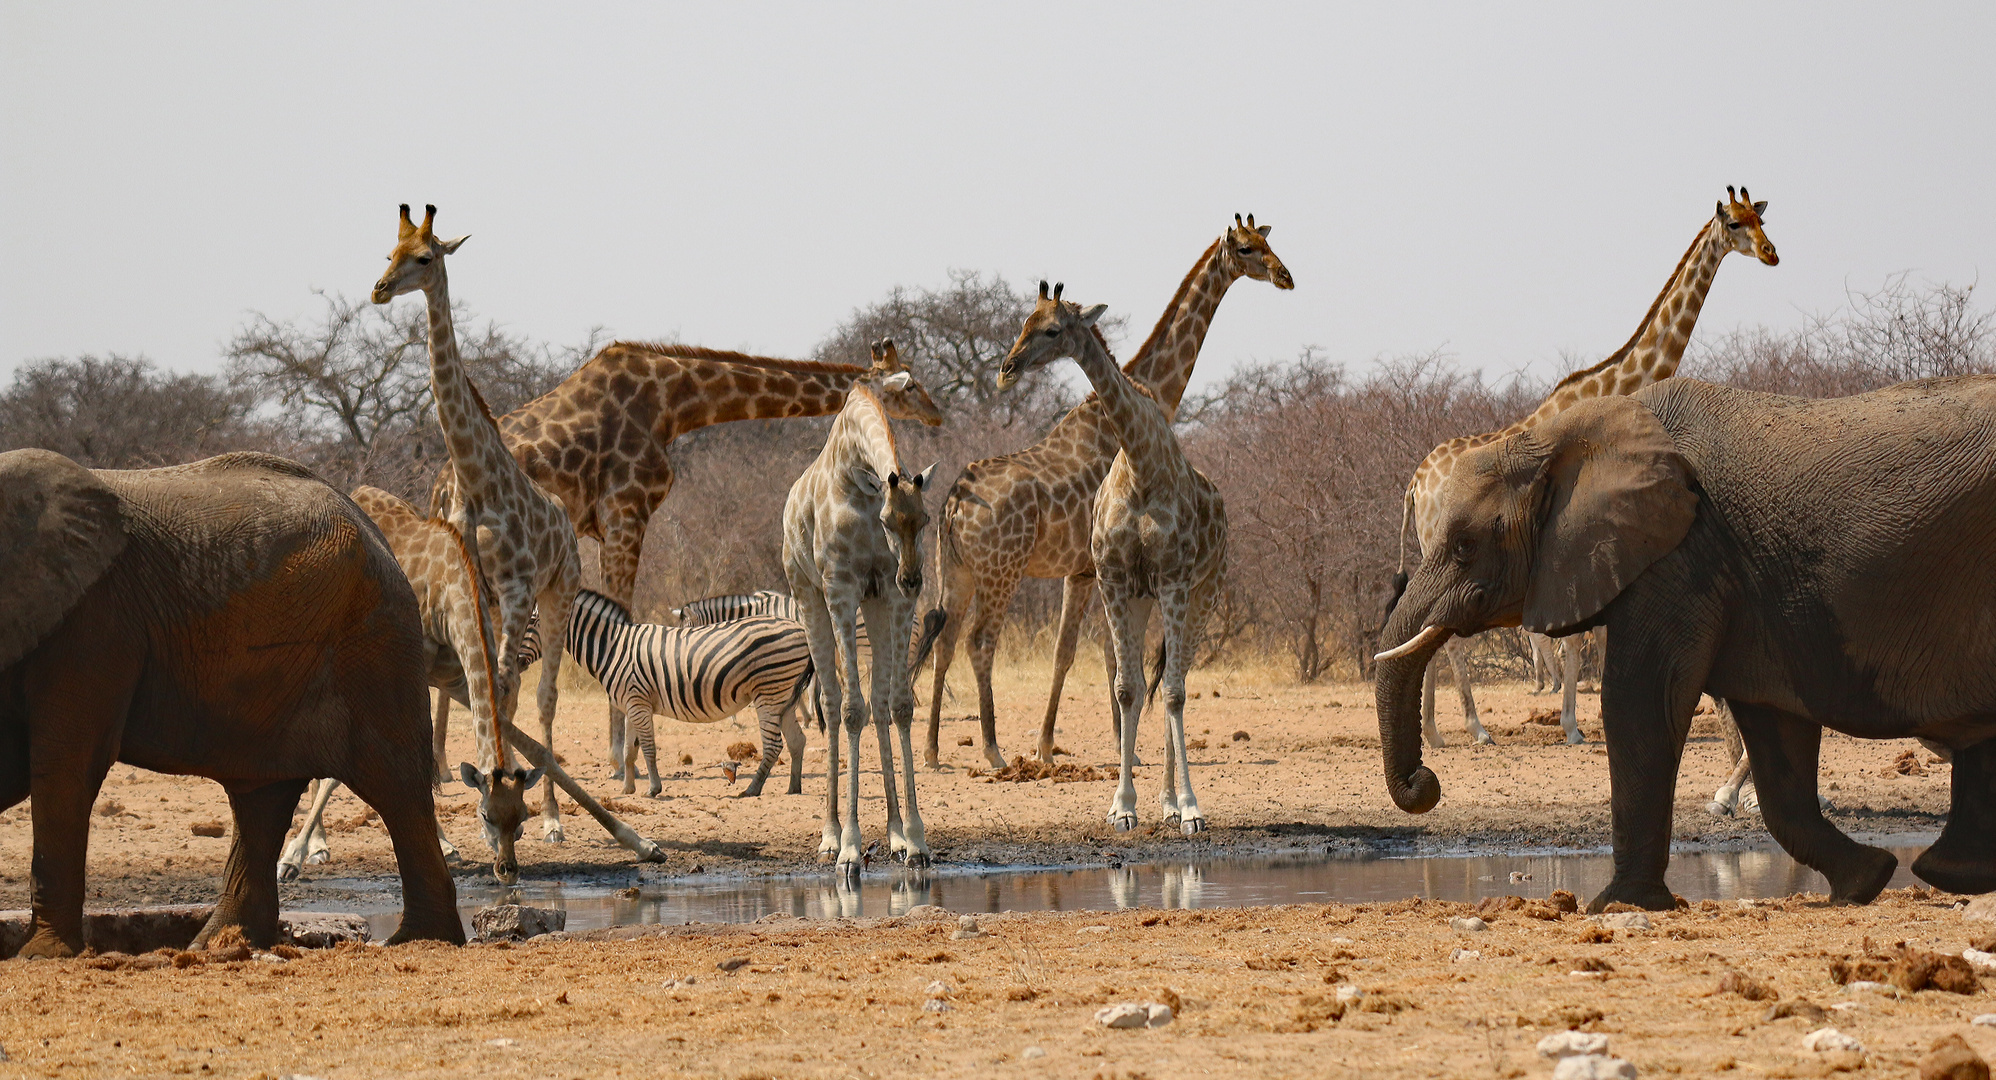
(743, 751)
(1025, 770)
(209, 828)
(1911, 970)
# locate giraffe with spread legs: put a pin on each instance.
(1650, 355)
(519, 533)
(1158, 538)
(1027, 514)
(852, 539)
(598, 441)
(459, 642)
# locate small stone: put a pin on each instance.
(937, 1005)
(498, 1042)
(966, 928)
(1624, 920)
(1593, 1067)
(1572, 1043)
(1951, 1058)
(1126, 1015)
(1469, 925)
(1979, 958)
(928, 911)
(733, 963)
(939, 989)
(1157, 1014)
(1349, 992)
(1464, 955)
(1092, 930)
(1826, 1040)
(1032, 1053)
(631, 893)
(209, 828)
(1981, 909)
(1985, 1020)
(1806, 1010)
(515, 922)
(1869, 987)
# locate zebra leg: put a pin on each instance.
(769, 716)
(638, 721)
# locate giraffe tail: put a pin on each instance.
(1400, 575)
(932, 628)
(1156, 674)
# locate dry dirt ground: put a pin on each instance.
(1256, 992)
(1283, 768)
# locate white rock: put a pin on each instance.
(966, 928)
(1126, 1015)
(1825, 1040)
(1092, 930)
(1032, 1053)
(1624, 920)
(937, 1005)
(1848, 1006)
(1593, 1067)
(1157, 1013)
(928, 911)
(1981, 909)
(498, 1042)
(1866, 986)
(1985, 1020)
(1461, 955)
(1348, 992)
(1343, 941)
(939, 989)
(1979, 958)
(1569, 1043)
(1470, 925)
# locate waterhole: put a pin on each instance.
(1289, 879)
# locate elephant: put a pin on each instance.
(1811, 562)
(235, 618)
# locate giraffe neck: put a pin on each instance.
(861, 435)
(1139, 423)
(1164, 362)
(1653, 352)
(469, 434)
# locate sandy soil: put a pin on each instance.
(1256, 992)
(1305, 776)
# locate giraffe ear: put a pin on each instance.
(863, 478)
(1263, 230)
(450, 246)
(1089, 316)
(922, 478)
(1760, 207)
(897, 382)
(468, 772)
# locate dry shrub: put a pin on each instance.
(1025, 770)
(1909, 969)
(1734, 982)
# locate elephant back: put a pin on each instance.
(61, 527)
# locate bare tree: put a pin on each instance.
(123, 412)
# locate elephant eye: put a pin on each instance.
(1465, 548)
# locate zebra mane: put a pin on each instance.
(616, 612)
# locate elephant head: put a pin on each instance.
(60, 529)
(1542, 530)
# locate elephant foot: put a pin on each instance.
(1954, 868)
(419, 927)
(1651, 896)
(46, 944)
(1863, 878)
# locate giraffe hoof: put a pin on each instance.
(287, 871)
(551, 832)
(319, 858)
(1483, 739)
(1575, 738)
(1193, 826)
(1123, 822)
(1718, 809)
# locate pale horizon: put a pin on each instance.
(1509, 189)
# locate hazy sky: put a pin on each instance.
(1503, 185)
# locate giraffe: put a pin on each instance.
(458, 647)
(1650, 355)
(852, 539)
(520, 534)
(1026, 514)
(598, 441)
(1158, 538)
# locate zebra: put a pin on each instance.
(695, 674)
(763, 603)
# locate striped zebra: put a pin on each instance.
(695, 674)
(763, 603)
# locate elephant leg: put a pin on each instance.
(1458, 659)
(1075, 592)
(408, 812)
(77, 704)
(1783, 749)
(1963, 859)
(249, 877)
(1646, 705)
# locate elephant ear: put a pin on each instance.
(60, 528)
(1617, 497)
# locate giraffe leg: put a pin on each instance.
(1428, 729)
(1175, 607)
(617, 557)
(553, 606)
(1726, 801)
(959, 593)
(1128, 617)
(1458, 658)
(439, 733)
(1075, 592)
(986, 619)
(292, 862)
(1569, 707)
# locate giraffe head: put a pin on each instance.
(1247, 254)
(904, 514)
(502, 807)
(1740, 219)
(1055, 329)
(417, 261)
(900, 395)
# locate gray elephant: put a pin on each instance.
(1815, 563)
(235, 618)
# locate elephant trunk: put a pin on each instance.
(1397, 691)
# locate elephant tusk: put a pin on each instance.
(1418, 641)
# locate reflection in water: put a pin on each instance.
(1728, 875)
